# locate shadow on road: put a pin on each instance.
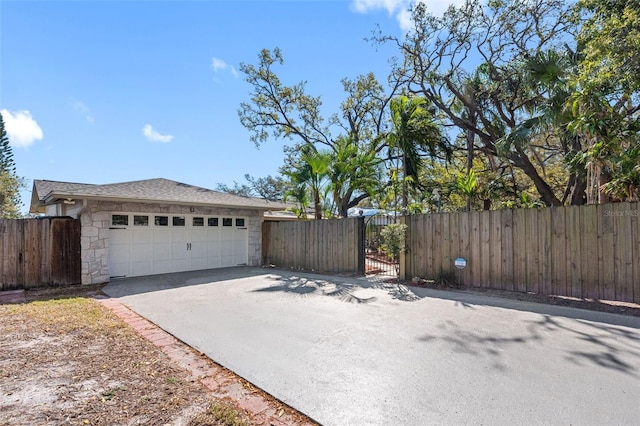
(150, 283)
(603, 345)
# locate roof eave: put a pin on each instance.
(55, 197)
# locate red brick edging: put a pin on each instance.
(220, 381)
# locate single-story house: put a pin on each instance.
(156, 226)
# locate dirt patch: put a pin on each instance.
(73, 361)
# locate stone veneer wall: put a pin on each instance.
(95, 218)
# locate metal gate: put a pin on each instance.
(376, 261)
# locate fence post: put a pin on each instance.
(360, 244)
(266, 240)
(403, 254)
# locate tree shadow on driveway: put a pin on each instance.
(305, 286)
(597, 344)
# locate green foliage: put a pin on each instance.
(288, 112)
(353, 173)
(611, 39)
(484, 103)
(309, 173)
(415, 131)
(270, 187)
(393, 240)
(537, 119)
(10, 184)
(467, 184)
(219, 414)
(7, 164)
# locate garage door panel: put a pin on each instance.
(161, 252)
(141, 268)
(199, 263)
(164, 248)
(214, 262)
(179, 250)
(161, 235)
(228, 260)
(141, 236)
(163, 267)
(180, 265)
(199, 235)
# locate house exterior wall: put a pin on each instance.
(95, 218)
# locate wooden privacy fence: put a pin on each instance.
(582, 251)
(316, 245)
(39, 252)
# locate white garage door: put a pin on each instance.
(146, 244)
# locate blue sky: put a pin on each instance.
(113, 91)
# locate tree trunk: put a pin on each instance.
(470, 153)
(578, 191)
(316, 205)
(521, 161)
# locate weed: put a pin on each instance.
(447, 279)
(219, 414)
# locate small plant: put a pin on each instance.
(393, 241)
(447, 279)
(219, 414)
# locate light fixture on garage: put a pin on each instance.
(69, 201)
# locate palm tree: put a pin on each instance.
(310, 172)
(415, 132)
(353, 173)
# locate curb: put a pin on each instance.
(223, 383)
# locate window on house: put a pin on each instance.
(239, 222)
(120, 219)
(140, 220)
(178, 221)
(198, 221)
(227, 221)
(212, 221)
(162, 220)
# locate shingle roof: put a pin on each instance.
(150, 190)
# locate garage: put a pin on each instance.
(156, 226)
(148, 244)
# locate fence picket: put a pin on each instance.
(588, 251)
(39, 252)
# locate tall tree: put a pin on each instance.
(441, 53)
(606, 104)
(415, 132)
(310, 171)
(610, 37)
(270, 187)
(354, 175)
(6, 154)
(278, 111)
(10, 184)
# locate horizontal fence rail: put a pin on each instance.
(588, 251)
(39, 252)
(315, 245)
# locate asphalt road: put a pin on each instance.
(360, 352)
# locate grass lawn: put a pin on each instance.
(72, 361)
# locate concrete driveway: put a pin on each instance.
(360, 352)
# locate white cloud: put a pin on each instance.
(218, 65)
(21, 128)
(83, 109)
(364, 6)
(400, 8)
(153, 136)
